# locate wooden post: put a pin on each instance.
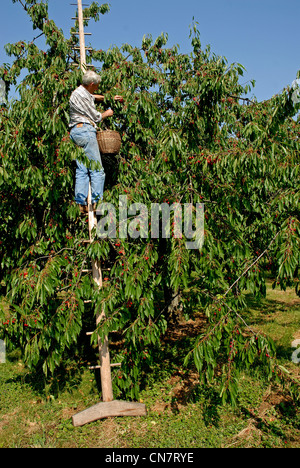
(81, 37)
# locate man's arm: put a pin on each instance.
(98, 97)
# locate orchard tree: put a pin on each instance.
(189, 136)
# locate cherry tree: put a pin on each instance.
(190, 136)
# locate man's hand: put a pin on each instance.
(118, 98)
(108, 113)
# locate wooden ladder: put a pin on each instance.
(109, 407)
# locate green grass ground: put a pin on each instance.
(180, 413)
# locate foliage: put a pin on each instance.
(188, 135)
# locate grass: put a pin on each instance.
(180, 413)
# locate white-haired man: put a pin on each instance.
(83, 123)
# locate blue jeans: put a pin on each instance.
(86, 138)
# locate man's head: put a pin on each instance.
(91, 81)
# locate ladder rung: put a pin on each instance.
(77, 33)
(78, 48)
(90, 333)
(116, 364)
(77, 64)
(82, 18)
(90, 271)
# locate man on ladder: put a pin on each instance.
(83, 124)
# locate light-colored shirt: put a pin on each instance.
(82, 107)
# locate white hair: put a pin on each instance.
(90, 77)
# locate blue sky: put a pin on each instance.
(262, 35)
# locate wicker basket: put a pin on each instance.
(109, 142)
